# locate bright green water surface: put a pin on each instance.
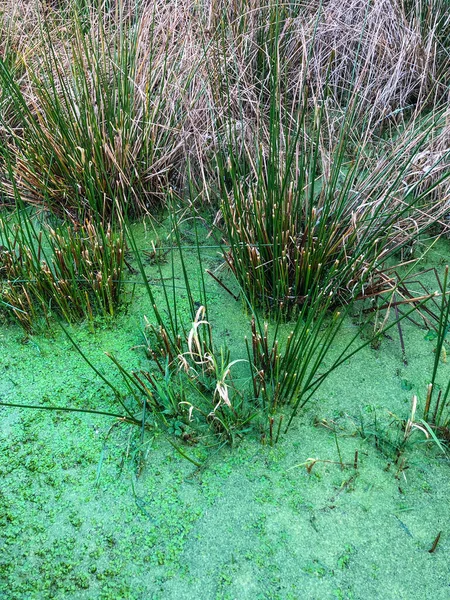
(84, 519)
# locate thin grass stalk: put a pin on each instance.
(442, 330)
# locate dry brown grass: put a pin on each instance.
(369, 46)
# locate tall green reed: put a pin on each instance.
(436, 411)
(186, 364)
(45, 271)
(94, 124)
(310, 218)
(304, 212)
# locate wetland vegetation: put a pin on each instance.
(224, 299)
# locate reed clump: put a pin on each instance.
(304, 219)
(90, 124)
(74, 272)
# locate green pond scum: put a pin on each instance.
(90, 508)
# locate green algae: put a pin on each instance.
(83, 518)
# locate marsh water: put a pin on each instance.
(89, 509)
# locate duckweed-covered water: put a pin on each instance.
(84, 518)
